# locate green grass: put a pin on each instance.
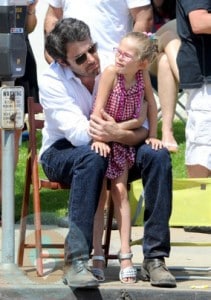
(54, 203)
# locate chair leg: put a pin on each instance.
(38, 239)
(24, 213)
(37, 223)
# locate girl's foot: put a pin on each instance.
(98, 264)
(127, 272)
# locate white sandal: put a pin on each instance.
(129, 272)
(97, 272)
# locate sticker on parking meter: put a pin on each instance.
(12, 107)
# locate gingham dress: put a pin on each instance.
(123, 105)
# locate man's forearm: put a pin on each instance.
(107, 130)
(129, 137)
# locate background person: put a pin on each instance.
(194, 62)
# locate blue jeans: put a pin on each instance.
(154, 167)
(83, 170)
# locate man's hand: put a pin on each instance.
(104, 128)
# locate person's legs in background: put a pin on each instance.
(198, 132)
(167, 78)
(198, 141)
(167, 92)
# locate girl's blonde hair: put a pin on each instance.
(147, 46)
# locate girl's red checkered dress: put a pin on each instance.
(123, 105)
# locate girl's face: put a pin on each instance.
(127, 60)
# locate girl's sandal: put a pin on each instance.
(129, 272)
(98, 272)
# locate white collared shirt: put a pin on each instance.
(67, 103)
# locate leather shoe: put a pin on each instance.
(155, 270)
(79, 275)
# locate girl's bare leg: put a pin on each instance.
(122, 212)
(98, 230)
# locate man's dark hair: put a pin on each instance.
(66, 31)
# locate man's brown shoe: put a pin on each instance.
(79, 275)
(155, 270)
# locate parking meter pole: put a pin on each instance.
(8, 237)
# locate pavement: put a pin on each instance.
(23, 283)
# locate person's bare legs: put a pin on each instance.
(123, 216)
(168, 78)
(198, 171)
(167, 92)
(171, 44)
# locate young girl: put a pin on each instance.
(121, 92)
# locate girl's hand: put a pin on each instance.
(155, 143)
(102, 148)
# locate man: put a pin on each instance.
(108, 20)
(194, 62)
(66, 96)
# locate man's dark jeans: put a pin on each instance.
(155, 169)
(84, 170)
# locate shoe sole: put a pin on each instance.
(163, 284)
(90, 285)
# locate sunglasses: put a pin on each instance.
(82, 58)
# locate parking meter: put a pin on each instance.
(12, 62)
(12, 40)
(12, 65)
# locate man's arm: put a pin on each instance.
(107, 130)
(200, 21)
(53, 14)
(143, 18)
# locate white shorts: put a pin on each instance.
(198, 127)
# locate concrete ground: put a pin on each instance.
(23, 283)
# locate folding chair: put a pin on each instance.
(33, 180)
